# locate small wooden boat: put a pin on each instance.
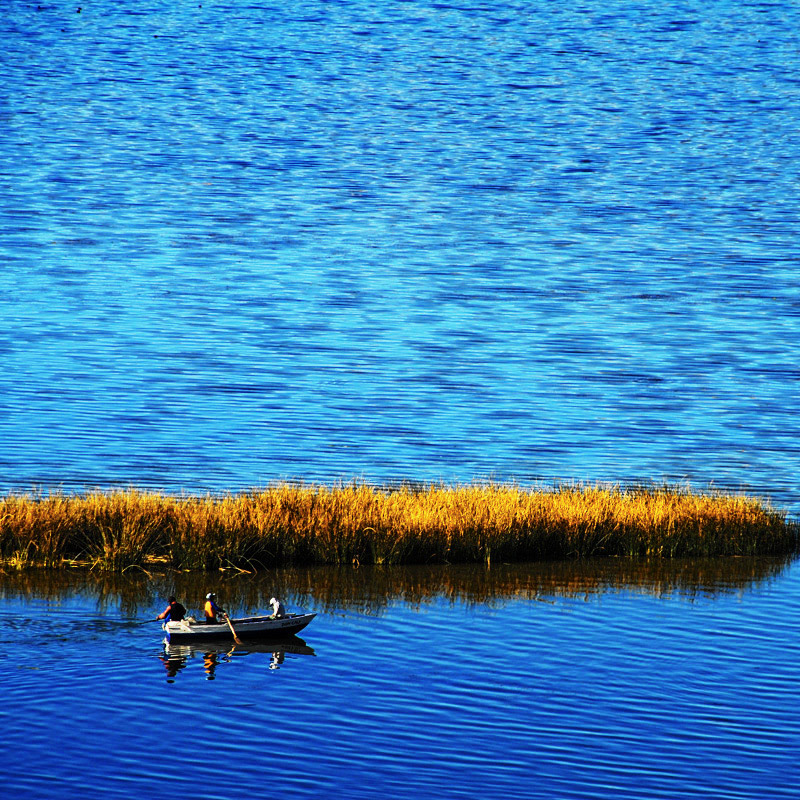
(187, 630)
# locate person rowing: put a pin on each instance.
(174, 611)
(212, 610)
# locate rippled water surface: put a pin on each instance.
(247, 242)
(585, 681)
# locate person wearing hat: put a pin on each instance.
(174, 611)
(212, 610)
(278, 610)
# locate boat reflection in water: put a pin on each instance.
(176, 657)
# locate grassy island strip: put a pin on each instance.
(358, 524)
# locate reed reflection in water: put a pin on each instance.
(369, 590)
(602, 679)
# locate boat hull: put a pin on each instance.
(246, 628)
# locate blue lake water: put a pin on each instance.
(585, 681)
(245, 243)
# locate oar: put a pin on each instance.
(230, 625)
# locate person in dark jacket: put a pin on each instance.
(174, 611)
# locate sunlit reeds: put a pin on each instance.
(359, 524)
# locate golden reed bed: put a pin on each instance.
(358, 524)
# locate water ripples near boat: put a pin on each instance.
(550, 681)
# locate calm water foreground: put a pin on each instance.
(599, 680)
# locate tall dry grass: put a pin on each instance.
(359, 524)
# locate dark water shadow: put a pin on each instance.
(134, 599)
